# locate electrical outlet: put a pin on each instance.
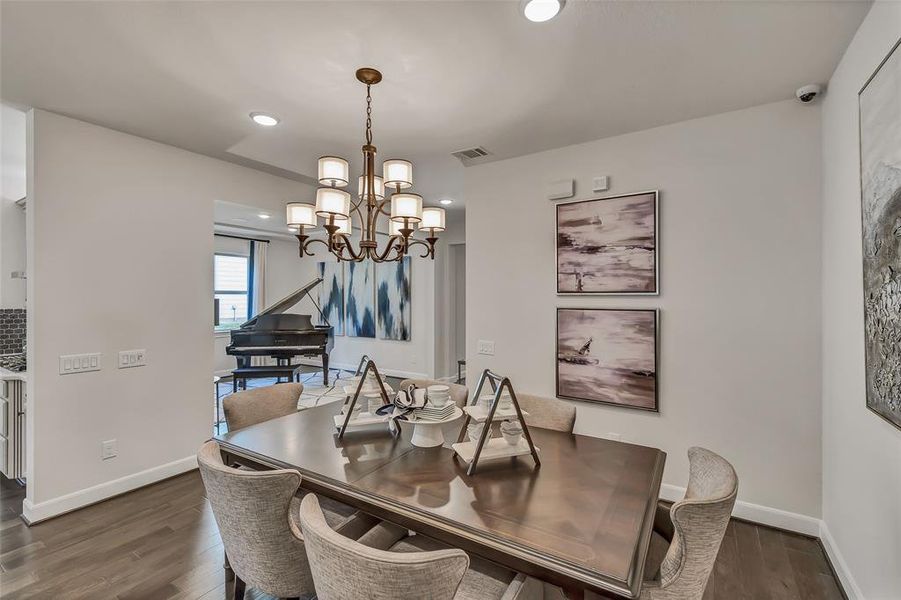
(78, 363)
(486, 347)
(109, 449)
(132, 358)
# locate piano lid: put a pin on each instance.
(287, 302)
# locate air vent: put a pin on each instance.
(470, 153)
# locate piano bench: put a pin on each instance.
(292, 372)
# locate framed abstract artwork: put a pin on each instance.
(608, 245)
(608, 356)
(880, 200)
(331, 294)
(393, 296)
(360, 310)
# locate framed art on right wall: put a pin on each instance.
(608, 356)
(608, 245)
(880, 199)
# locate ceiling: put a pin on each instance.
(457, 74)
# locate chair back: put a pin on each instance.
(699, 523)
(548, 413)
(251, 509)
(345, 569)
(243, 409)
(458, 393)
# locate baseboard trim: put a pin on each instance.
(35, 513)
(773, 517)
(838, 564)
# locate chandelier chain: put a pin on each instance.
(368, 115)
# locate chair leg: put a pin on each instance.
(239, 588)
(229, 574)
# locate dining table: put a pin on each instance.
(582, 519)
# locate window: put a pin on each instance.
(232, 276)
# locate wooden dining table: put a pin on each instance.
(581, 520)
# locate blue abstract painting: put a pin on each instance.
(331, 294)
(393, 299)
(360, 300)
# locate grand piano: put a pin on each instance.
(281, 335)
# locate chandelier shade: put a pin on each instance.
(333, 171)
(379, 187)
(301, 214)
(432, 219)
(398, 173)
(332, 202)
(406, 208)
(344, 225)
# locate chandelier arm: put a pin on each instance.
(359, 213)
(345, 245)
(380, 208)
(392, 245)
(307, 241)
(429, 244)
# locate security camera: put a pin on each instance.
(807, 93)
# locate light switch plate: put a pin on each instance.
(132, 358)
(79, 363)
(109, 449)
(486, 347)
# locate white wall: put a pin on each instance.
(739, 367)
(12, 218)
(120, 244)
(861, 452)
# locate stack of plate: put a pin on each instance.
(430, 413)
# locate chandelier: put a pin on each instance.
(337, 209)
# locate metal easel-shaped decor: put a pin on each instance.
(497, 448)
(366, 364)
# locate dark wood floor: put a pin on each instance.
(161, 543)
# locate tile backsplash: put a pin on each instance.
(12, 330)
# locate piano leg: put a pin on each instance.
(325, 368)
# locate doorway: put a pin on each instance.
(457, 307)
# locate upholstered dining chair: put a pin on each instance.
(458, 393)
(257, 513)
(249, 407)
(548, 413)
(414, 568)
(694, 529)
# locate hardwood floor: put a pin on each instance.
(161, 543)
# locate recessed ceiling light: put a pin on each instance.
(539, 11)
(264, 119)
(446, 201)
(264, 216)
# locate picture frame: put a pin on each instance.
(625, 372)
(879, 137)
(589, 261)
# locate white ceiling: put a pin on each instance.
(457, 74)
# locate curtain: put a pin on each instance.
(258, 254)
